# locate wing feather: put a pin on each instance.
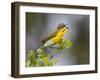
(49, 37)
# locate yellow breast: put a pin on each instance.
(59, 36)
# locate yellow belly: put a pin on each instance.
(56, 40)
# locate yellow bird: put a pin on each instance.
(56, 36)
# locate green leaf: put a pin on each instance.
(28, 64)
(41, 53)
(54, 61)
(67, 43)
(50, 55)
(32, 58)
(39, 62)
(46, 61)
(42, 58)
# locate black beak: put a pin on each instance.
(65, 26)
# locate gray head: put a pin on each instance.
(62, 25)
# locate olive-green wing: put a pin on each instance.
(49, 37)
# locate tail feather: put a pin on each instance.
(43, 42)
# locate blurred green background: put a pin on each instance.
(39, 25)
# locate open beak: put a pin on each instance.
(66, 26)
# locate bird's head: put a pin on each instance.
(63, 27)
